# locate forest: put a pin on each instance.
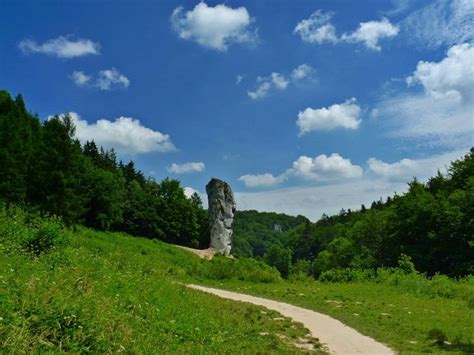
(46, 170)
(429, 228)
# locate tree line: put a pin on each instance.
(45, 168)
(431, 225)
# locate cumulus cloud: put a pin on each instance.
(325, 168)
(80, 78)
(313, 201)
(125, 134)
(214, 27)
(453, 76)
(186, 168)
(239, 79)
(371, 32)
(262, 180)
(345, 115)
(62, 47)
(302, 72)
(317, 28)
(440, 23)
(442, 114)
(278, 82)
(268, 83)
(404, 168)
(109, 79)
(322, 168)
(106, 80)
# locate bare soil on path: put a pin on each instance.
(337, 337)
(202, 253)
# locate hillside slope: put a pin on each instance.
(88, 291)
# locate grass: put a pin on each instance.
(406, 321)
(89, 291)
(104, 292)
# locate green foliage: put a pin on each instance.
(255, 232)
(44, 237)
(431, 226)
(43, 166)
(280, 258)
(406, 265)
(223, 268)
(98, 292)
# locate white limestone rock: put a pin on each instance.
(221, 215)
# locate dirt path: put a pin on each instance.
(337, 337)
(202, 253)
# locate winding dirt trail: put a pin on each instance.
(336, 336)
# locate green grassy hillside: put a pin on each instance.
(88, 291)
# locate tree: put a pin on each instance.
(280, 258)
(15, 147)
(60, 181)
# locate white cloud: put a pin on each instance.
(125, 135)
(324, 168)
(345, 115)
(109, 79)
(440, 23)
(405, 168)
(317, 28)
(453, 76)
(186, 168)
(266, 84)
(319, 169)
(62, 47)
(276, 81)
(106, 80)
(401, 6)
(422, 168)
(371, 32)
(302, 72)
(312, 202)
(80, 78)
(214, 27)
(443, 114)
(262, 180)
(239, 79)
(189, 191)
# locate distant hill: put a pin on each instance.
(255, 232)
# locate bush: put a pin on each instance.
(406, 265)
(223, 268)
(43, 238)
(346, 275)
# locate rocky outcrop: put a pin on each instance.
(221, 215)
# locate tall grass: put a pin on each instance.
(80, 291)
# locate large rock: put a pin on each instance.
(221, 214)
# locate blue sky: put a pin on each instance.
(304, 107)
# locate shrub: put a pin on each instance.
(406, 265)
(44, 237)
(346, 275)
(223, 268)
